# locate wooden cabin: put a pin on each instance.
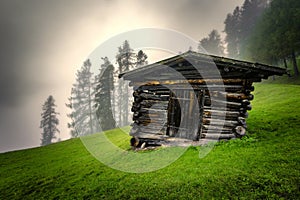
(192, 98)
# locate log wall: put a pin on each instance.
(193, 111)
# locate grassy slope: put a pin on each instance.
(266, 165)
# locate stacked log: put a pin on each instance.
(222, 112)
(227, 122)
(149, 114)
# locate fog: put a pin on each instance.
(44, 42)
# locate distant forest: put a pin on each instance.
(265, 31)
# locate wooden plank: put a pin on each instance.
(195, 81)
(148, 136)
(217, 122)
(209, 113)
(146, 122)
(224, 108)
(154, 97)
(204, 131)
(216, 128)
(218, 136)
(159, 88)
(231, 96)
(171, 113)
(229, 104)
(153, 110)
(201, 100)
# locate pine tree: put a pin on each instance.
(49, 121)
(81, 102)
(141, 59)
(240, 25)
(126, 61)
(103, 95)
(212, 44)
(250, 14)
(232, 30)
(277, 35)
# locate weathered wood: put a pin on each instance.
(231, 96)
(156, 126)
(223, 108)
(162, 89)
(206, 74)
(218, 136)
(240, 130)
(153, 110)
(245, 102)
(148, 136)
(157, 131)
(216, 128)
(152, 102)
(220, 113)
(221, 103)
(190, 60)
(148, 119)
(135, 107)
(229, 118)
(201, 100)
(204, 131)
(154, 131)
(244, 114)
(149, 122)
(152, 117)
(245, 108)
(218, 122)
(215, 102)
(195, 81)
(154, 97)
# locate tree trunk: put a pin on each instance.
(90, 110)
(296, 71)
(285, 63)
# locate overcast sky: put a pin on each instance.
(44, 42)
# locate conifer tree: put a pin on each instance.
(240, 25)
(212, 44)
(141, 59)
(49, 121)
(103, 95)
(276, 37)
(126, 60)
(250, 14)
(232, 29)
(81, 103)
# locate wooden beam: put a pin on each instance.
(218, 136)
(196, 81)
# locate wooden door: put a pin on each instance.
(185, 114)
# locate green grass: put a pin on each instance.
(264, 165)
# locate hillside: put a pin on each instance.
(264, 165)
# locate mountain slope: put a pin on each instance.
(264, 165)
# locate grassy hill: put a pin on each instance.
(264, 165)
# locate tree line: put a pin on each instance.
(265, 31)
(98, 102)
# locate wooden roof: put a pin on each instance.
(193, 65)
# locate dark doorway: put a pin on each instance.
(185, 114)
